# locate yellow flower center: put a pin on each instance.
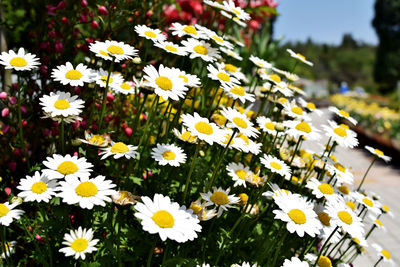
(67, 167)
(223, 76)
(164, 83)
(345, 217)
(355, 239)
(379, 152)
(119, 147)
(116, 50)
(61, 104)
(204, 127)
(297, 110)
(73, 75)
(185, 79)
(125, 86)
(282, 100)
(324, 218)
(104, 79)
(39, 187)
(378, 222)
(344, 189)
(332, 157)
(385, 208)
(324, 262)
(190, 29)
(238, 90)
(244, 138)
(230, 68)
(340, 131)
(275, 78)
(303, 127)
(351, 205)
(340, 167)
(237, 12)
(196, 208)
(311, 105)
(297, 216)
(241, 174)
(301, 56)
(187, 136)
(219, 198)
(385, 253)
(217, 39)
(344, 126)
(270, 125)
(171, 48)
(169, 155)
(79, 244)
(150, 34)
(227, 138)
(200, 49)
(326, 189)
(240, 122)
(368, 202)
(255, 178)
(18, 62)
(344, 113)
(3, 210)
(243, 197)
(86, 189)
(96, 139)
(163, 219)
(276, 165)
(104, 53)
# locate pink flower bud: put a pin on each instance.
(51, 34)
(149, 13)
(5, 112)
(76, 124)
(3, 95)
(13, 100)
(46, 132)
(23, 109)
(7, 190)
(110, 97)
(150, 173)
(103, 10)
(254, 24)
(39, 238)
(94, 24)
(64, 20)
(13, 166)
(83, 18)
(5, 128)
(59, 47)
(84, 3)
(29, 228)
(76, 154)
(128, 131)
(24, 123)
(61, 5)
(77, 90)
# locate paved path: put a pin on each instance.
(384, 180)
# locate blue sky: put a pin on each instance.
(325, 21)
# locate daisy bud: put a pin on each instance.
(103, 10)
(7, 190)
(3, 95)
(5, 112)
(64, 20)
(137, 60)
(16, 200)
(84, 3)
(128, 131)
(13, 166)
(201, 153)
(243, 198)
(94, 24)
(13, 100)
(279, 126)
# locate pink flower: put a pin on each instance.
(59, 47)
(103, 10)
(13, 100)
(94, 24)
(7, 190)
(3, 95)
(128, 131)
(5, 112)
(84, 3)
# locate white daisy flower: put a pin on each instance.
(234, 18)
(190, 30)
(342, 216)
(386, 209)
(216, 38)
(342, 175)
(60, 105)
(213, 4)
(367, 202)
(320, 190)
(86, 192)
(113, 49)
(189, 80)
(198, 48)
(168, 219)
(267, 125)
(114, 80)
(231, 53)
(67, 74)
(149, 33)
(384, 254)
(323, 261)
(236, 10)
(10, 249)
(343, 114)
(238, 172)
(247, 145)
(299, 215)
(66, 166)
(239, 121)
(237, 92)
(168, 154)
(295, 262)
(118, 150)
(302, 128)
(222, 76)
(378, 153)
(78, 242)
(171, 48)
(233, 70)
(227, 136)
(299, 57)
(361, 241)
(185, 135)
(202, 128)
(37, 188)
(8, 213)
(327, 227)
(297, 90)
(260, 62)
(294, 111)
(377, 223)
(165, 81)
(19, 61)
(125, 88)
(341, 134)
(96, 139)
(244, 264)
(310, 106)
(276, 165)
(255, 179)
(220, 198)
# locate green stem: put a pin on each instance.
(376, 264)
(62, 144)
(323, 247)
(4, 244)
(191, 171)
(21, 133)
(295, 150)
(279, 248)
(365, 175)
(150, 256)
(103, 109)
